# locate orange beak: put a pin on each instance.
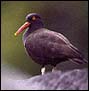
(24, 26)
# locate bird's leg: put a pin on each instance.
(43, 70)
(54, 69)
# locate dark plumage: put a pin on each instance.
(47, 47)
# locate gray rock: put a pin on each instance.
(71, 80)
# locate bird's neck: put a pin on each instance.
(36, 25)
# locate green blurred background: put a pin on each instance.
(67, 17)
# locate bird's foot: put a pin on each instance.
(43, 70)
(54, 69)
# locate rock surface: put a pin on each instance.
(76, 79)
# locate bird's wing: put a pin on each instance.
(63, 51)
(52, 45)
(68, 46)
(57, 45)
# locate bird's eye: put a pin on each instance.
(33, 18)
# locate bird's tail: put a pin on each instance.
(79, 61)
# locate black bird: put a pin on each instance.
(45, 46)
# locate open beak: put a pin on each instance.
(24, 26)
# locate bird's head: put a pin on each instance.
(31, 19)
